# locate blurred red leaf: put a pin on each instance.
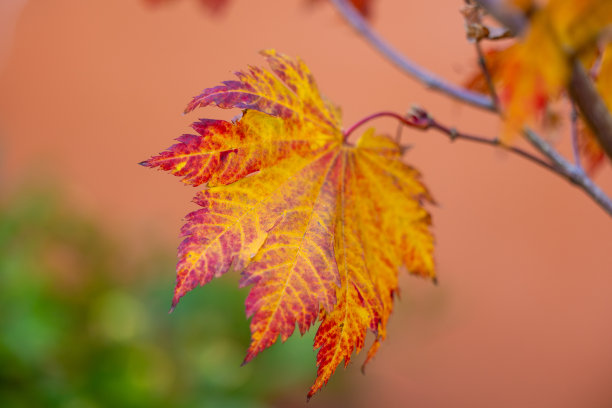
(212, 5)
(363, 6)
(536, 68)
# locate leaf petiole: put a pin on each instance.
(412, 120)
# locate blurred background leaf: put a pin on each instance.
(81, 326)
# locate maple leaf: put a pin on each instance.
(368, 267)
(534, 71)
(530, 73)
(317, 226)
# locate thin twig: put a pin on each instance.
(420, 119)
(487, 74)
(347, 10)
(574, 134)
(456, 135)
(573, 173)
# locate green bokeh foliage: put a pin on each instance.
(80, 326)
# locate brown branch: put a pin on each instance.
(560, 165)
(593, 108)
(347, 10)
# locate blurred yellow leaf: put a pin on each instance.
(536, 69)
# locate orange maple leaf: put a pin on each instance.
(535, 70)
(317, 226)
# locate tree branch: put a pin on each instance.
(561, 166)
(453, 135)
(571, 172)
(347, 10)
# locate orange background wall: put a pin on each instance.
(522, 314)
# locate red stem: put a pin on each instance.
(411, 121)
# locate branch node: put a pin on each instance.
(420, 117)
